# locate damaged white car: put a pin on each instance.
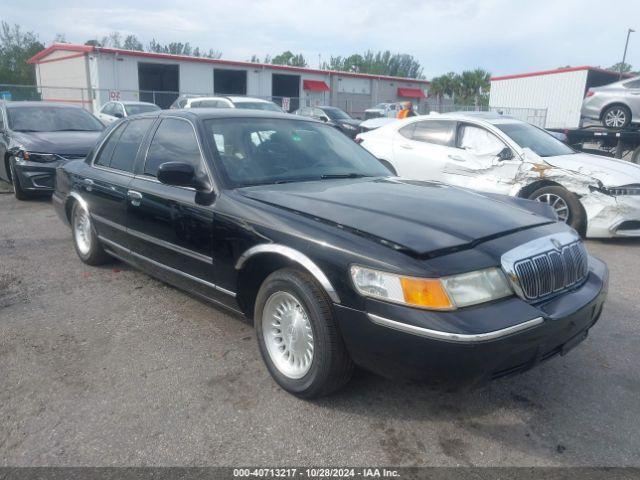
(598, 196)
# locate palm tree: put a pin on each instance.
(474, 84)
(444, 85)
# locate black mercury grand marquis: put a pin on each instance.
(289, 222)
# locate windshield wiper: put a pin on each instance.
(343, 175)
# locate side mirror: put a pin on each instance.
(177, 174)
(505, 154)
(118, 115)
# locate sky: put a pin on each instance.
(501, 36)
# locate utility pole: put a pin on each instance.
(624, 55)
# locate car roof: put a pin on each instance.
(493, 118)
(126, 102)
(247, 99)
(208, 113)
(32, 103)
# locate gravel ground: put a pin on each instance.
(107, 366)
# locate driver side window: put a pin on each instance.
(479, 141)
(174, 141)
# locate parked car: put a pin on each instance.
(112, 111)
(597, 196)
(383, 110)
(332, 116)
(616, 105)
(38, 137)
(226, 102)
(289, 222)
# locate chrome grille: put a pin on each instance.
(552, 271)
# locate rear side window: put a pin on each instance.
(104, 155)
(633, 84)
(126, 150)
(435, 131)
(407, 131)
(174, 141)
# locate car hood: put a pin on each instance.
(423, 217)
(610, 171)
(70, 143)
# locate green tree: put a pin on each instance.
(445, 85)
(16, 47)
(379, 63)
(131, 42)
(474, 86)
(621, 67)
(113, 40)
(288, 58)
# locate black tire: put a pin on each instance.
(18, 192)
(331, 366)
(95, 254)
(390, 167)
(576, 217)
(619, 111)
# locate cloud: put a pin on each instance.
(503, 36)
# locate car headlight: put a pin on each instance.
(446, 293)
(36, 157)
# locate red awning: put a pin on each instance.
(411, 93)
(315, 85)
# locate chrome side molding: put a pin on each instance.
(295, 256)
(453, 337)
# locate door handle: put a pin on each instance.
(405, 146)
(135, 197)
(88, 183)
(457, 158)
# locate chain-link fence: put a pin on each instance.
(535, 116)
(93, 99)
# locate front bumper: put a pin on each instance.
(36, 176)
(609, 217)
(480, 343)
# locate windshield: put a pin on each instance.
(336, 114)
(271, 107)
(255, 151)
(51, 119)
(541, 142)
(134, 109)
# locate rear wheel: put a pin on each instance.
(616, 116)
(298, 336)
(565, 204)
(85, 239)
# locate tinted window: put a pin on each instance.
(51, 119)
(125, 151)
(534, 138)
(107, 108)
(134, 109)
(174, 141)
(436, 132)
(104, 155)
(209, 104)
(336, 114)
(407, 131)
(633, 83)
(270, 107)
(263, 150)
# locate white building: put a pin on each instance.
(559, 91)
(92, 76)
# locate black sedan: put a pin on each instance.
(332, 116)
(287, 221)
(37, 137)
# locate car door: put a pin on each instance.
(166, 225)
(421, 149)
(105, 113)
(632, 97)
(105, 187)
(481, 160)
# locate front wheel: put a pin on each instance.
(85, 239)
(565, 204)
(298, 336)
(18, 192)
